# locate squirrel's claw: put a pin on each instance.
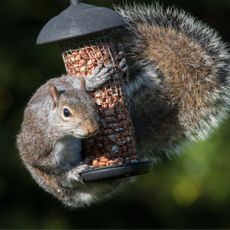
(74, 175)
(99, 76)
(105, 73)
(102, 73)
(120, 55)
(123, 66)
(97, 70)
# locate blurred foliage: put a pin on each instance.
(189, 191)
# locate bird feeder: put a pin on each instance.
(84, 34)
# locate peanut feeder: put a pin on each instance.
(84, 34)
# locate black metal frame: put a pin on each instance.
(116, 172)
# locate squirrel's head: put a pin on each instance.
(73, 112)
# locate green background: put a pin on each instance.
(189, 191)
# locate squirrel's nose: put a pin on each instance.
(92, 132)
(92, 129)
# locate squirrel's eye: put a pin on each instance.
(66, 112)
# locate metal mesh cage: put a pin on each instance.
(115, 142)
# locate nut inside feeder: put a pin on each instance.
(86, 43)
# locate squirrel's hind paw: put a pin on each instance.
(123, 66)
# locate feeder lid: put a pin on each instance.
(79, 19)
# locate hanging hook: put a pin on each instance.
(74, 2)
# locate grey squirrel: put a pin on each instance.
(177, 84)
(58, 116)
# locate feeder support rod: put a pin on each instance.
(74, 2)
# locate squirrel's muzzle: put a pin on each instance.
(90, 128)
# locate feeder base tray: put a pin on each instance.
(115, 172)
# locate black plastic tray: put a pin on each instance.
(118, 171)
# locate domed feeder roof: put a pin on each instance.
(79, 19)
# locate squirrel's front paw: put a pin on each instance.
(74, 177)
(99, 76)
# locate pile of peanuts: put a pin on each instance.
(115, 143)
(104, 161)
(82, 62)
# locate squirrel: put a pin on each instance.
(57, 117)
(178, 86)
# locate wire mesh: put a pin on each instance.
(115, 142)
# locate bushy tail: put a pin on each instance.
(189, 59)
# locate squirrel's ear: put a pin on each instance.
(54, 93)
(83, 84)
